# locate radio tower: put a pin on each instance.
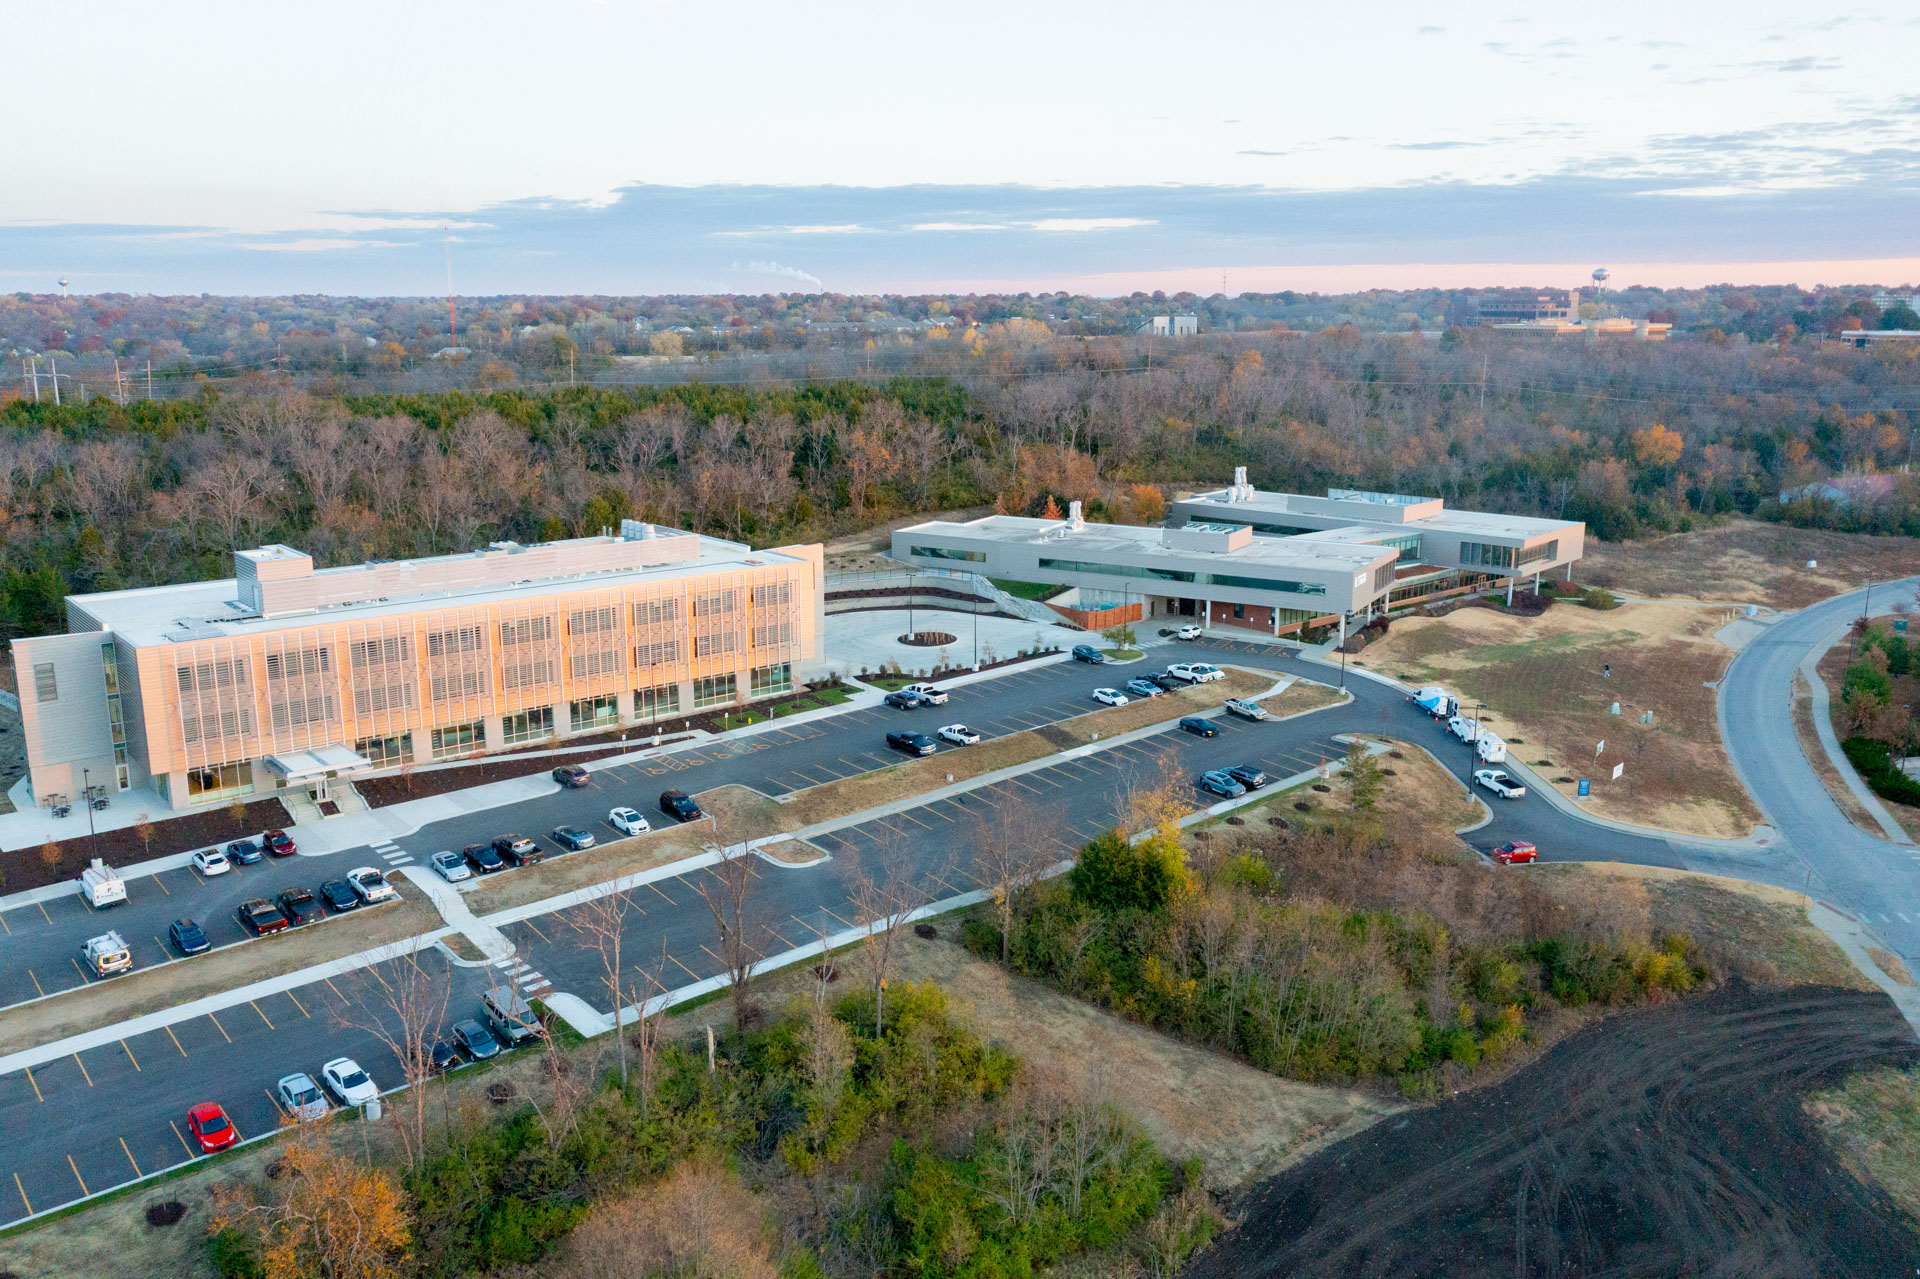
(453, 337)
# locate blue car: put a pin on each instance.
(188, 937)
(1144, 688)
(245, 852)
(1222, 784)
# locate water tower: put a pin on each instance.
(63, 286)
(1600, 274)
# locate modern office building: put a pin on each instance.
(288, 676)
(1273, 562)
(1524, 306)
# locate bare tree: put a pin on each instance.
(1007, 857)
(727, 888)
(649, 1025)
(403, 1005)
(884, 892)
(602, 921)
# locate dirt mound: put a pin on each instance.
(1665, 1142)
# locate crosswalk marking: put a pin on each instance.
(392, 853)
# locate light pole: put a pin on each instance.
(86, 789)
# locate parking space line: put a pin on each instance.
(35, 1083)
(222, 1029)
(335, 989)
(77, 1177)
(36, 984)
(131, 1159)
(163, 887)
(656, 888)
(302, 1007)
(915, 820)
(176, 1040)
(838, 917)
(83, 1069)
(263, 1015)
(130, 1057)
(782, 936)
(43, 913)
(183, 1140)
(23, 1194)
(537, 933)
(716, 958)
(4, 924)
(78, 969)
(683, 968)
(277, 1107)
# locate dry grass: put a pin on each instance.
(1422, 797)
(1757, 930)
(795, 852)
(1890, 965)
(1873, 1123)
(1541, 680)
(1745, 561)
(1805, 730)
(153, 989)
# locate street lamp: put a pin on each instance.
(86, 793)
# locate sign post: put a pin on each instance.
(1586, 787)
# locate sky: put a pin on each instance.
(641, 146)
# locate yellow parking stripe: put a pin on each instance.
(222, 1029)
(915, 820)
(35, 1083)
(163, 887)
(43, 912)
(849, 925)
(302, 1007)
(656, 888)
(23, 1194)
(131, 1159)
(77, 1177)
(176, 1040)
(335, 989)
(130, 1057)
(83, 1069)
(36, 984)
(683, 968)
(263, 1016)
(183, 1140)
(537, 933)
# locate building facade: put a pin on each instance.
(1242, 557)
(286, 675)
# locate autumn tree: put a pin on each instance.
(602, 920)
(697, 1222)
(885, 888)
(1657, 446)
(325, 1216)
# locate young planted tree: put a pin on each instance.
(727, 887)
(403, 1004)
(602, 921)
(326, 1215)
(884, 889)
(1364, 779)
(1008, 857)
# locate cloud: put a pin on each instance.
(1252, 151)
(961, 226)
(1435, 146)
(814, 228)
(782, 272)
(313, 244)
(1088, 224)
(1431, 31)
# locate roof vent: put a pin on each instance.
(1241, 490)
(1074, 523)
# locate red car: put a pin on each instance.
(211, 1128)
(279, 844)
(1515, 851)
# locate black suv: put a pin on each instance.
(1089, 654)
(338, 896)
(679, 805)
(299, 906)
(571, 775)
(1167, 682)
(1248, 776)
(483, 859)
(911, 743)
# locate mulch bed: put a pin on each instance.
(29, 868)
(882, 679)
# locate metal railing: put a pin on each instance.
(1031, 610)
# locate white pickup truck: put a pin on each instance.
(102, 886)
(928, 694)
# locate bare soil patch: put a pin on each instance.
(1749, 562)
(1544, 683)
(152, 989)
(1667, 1141)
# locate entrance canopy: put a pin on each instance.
(317, 765)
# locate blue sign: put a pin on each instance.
(1586, 788)
(1900, 625)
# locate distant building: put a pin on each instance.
(1171, 326)
(1909, 300)
(1525, 306)
(1845, 490)
(1612, 327)
(1870, 337)
(452, 353)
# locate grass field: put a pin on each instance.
(1873, 1124)
(1748, 562)
(1543, 684)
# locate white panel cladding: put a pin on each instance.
(73, 728)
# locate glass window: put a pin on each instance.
(1268, 584)
(45, 687)
(1486, 554)
(714, 690)
(592, 712)
(219, 781)
(1239, 612)
(1116, 570)
(386, 752)
(943, 553)
(654, 612)
(1542, 552)
(459, 739)
(527, 726)
(652, 703)
(765, 681)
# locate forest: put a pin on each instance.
(1633, 438)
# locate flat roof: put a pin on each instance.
(152, 614)
(1050, 537)
(1265, 503)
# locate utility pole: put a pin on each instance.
(35, 363)
(54, 366)
(1483, 390)
(149, 379)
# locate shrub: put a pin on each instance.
(1245, 870)
(1873, 760)
(1113, 874)
(234, 1255)
(1598, 597)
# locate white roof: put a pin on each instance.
(1054, 539)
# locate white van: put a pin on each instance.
(1463, 728)
(107, 954)
(102, 886)
(1491, 749)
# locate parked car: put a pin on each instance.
(1183, 671)
(1199, 726)
(928, 694)
(212, 1130)
(517, 850)
(1144, 688)
(1515, 851)
(679, 805)
(510, 1017)
(245, 852)
(1089, 654)
(300, 1097)
(279, 843)
(475, 1040)
(1221, 783)
(345, 1080)
(1190, 631)
(1246, 709)
(260, 917)
(1166, 683)
(445, 1056)
(903, 699)
(1499, 783)
(573, 838)
(299, 906)
(1196, 672)
(911, 743)
(188, 937)
(1248, 776)
(1109, 697)
(338, 895)
(450, 866)
(211, 862)
(107, 954)
(959, 735)
(571, 775)
(483, 859)
(370, 885)
(628, 821)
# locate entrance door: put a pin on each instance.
(320, 791)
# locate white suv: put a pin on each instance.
(1187, 632)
